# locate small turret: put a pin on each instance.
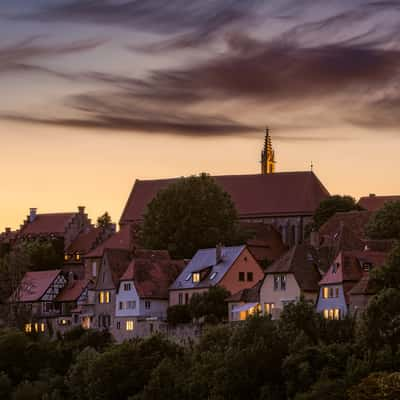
(268, 155)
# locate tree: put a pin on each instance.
(388, 276)
(179, 314)
(385, 224)
(331, 206)
(210, 305)
(104, 221)
(377, 386)
(190, 214)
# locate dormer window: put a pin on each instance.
(196, 277)
(66, 257)
(213, 275)
(367, 266)
(188, 276)
(77, 257)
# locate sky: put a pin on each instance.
(97, 93)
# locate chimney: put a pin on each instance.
(81, 209)
(372, 195)
(32, 214)
(218, 253)
(8, 230)
(314, 239)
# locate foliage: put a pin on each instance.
(188, 215)
(210, 305)
(104, 221)
(331, 206)
(385, 224)
(179, 314)
(388, 276)
(377, 386)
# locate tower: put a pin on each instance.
(267, 155)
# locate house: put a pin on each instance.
(33, 300)
(286, 200)
(342, 276)
(70, 302)
(124, 239)
(102, 295)
(294, 275)
(233, 268)
(244, 303)
(374, 202)
(64, 227)
(142, 295)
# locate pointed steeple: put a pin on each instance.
(268, 155)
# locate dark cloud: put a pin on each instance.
(22, 55)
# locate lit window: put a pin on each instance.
(127, 287)
(77, 257)
(104, 297)
(196, 277)
(326, 314)
(241, 276)
(66, 257)
(325, 292)
(336, 313)
(129, 325)
(268, 307)
(188, 276)
(213, 275)
(147, 304)
(331, 313)
(28, 328)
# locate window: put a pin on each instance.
(279, 282)
(94, 269)
(104, 297)
(127, 287)
(213, 275)
(325, 292)
(129, 325)
(118, 325)
(188, 276)
(66, 257)
(330, 292)
(121, 305)
(186, 298)
(332, 313)
(76, 318)
(131, 304)
(268, 307)
(250, 276)
(337, 292)
(180, 298)
(196, 277)
(147, 304)
(77, 257)
(28, 328)
(241, 276)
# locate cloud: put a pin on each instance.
(20, 56)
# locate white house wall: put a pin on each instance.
(125, 296)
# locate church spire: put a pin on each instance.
(268, 155)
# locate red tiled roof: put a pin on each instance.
(251, 295)
(34, 285)
(119, 240)
(72, 293)
(374, 203)
(47, 224)
(350, 266)
(152, 277)
(284, 193)
(355, 221)
(85, 241)
(303, 262)
(118, 261)
(364, 286)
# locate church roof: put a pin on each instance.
(278, 194)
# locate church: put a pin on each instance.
(285, 200)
